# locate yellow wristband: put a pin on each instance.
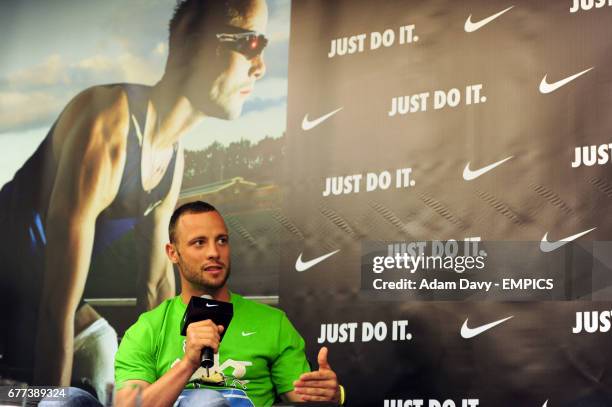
(342, 395)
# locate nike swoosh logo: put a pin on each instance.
(545, 403)
(468, 333)
(547, 246)
(303, 266)
(469, 175)
(546, 87)
(307, 124)
(138, 131)
(151, 207)
(248, 333)
(211, 305)
(471, 27)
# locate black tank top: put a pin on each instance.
(132, 203)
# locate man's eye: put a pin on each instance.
(223, 240)
(199, 242)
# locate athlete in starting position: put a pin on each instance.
(112, 163)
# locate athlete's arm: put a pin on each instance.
(156, 275)
(320, 385)
(165, 390)
(89, 147)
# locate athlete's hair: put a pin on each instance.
(196, 18)
(190, 207)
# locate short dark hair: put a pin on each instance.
(189, 207)
(197, 16)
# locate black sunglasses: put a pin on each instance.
(248, 43)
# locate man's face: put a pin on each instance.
(202, 250)
(221, 78)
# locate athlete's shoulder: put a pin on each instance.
(145, 332)
(101, 112)
(154, 319)
(100, 100)
(257, 308)
(102, 92)
(161, 310)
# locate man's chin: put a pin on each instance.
(231, 108)
(234, 113)
(214, 283)
(223, 111)
(225, 114)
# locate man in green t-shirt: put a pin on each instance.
(261, 356)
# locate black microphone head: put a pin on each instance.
(200, 309)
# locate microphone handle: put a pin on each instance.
(207, 358)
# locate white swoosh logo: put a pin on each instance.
(547, 246)
(138, 131)
(546, 87)
(211, 305)
(469, 175)
(151, 206)
(303, 266)
(471, 27)
(248, 333)
(307, 124)
(468, 333)
(545, 403)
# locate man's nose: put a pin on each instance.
(258, 67)
(212, 252)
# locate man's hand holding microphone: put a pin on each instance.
(201, 335)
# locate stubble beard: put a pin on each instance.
(200, 280)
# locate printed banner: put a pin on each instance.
(448, 187)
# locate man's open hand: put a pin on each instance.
(320, 385)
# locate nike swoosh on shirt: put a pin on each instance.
(469, 175)
(546, 87)
(308, 124)
(468, 333)
(151, 206)
(248, 333)
(547, 246)
(211, 305)
(471, 27)
(545, 403)
(305, 265)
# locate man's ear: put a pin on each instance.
(172, 253)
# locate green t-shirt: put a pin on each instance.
(261, 352)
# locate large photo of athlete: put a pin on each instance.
(112, 164)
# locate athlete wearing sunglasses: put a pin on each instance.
(128, 135)
(248, 43)
(115, 153)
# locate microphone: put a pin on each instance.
(208, 356)
(203, 308)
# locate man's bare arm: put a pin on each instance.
(166, 389)
(89, 146)
(157, 275)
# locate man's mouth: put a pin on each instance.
(214, 268)
(245, 91)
